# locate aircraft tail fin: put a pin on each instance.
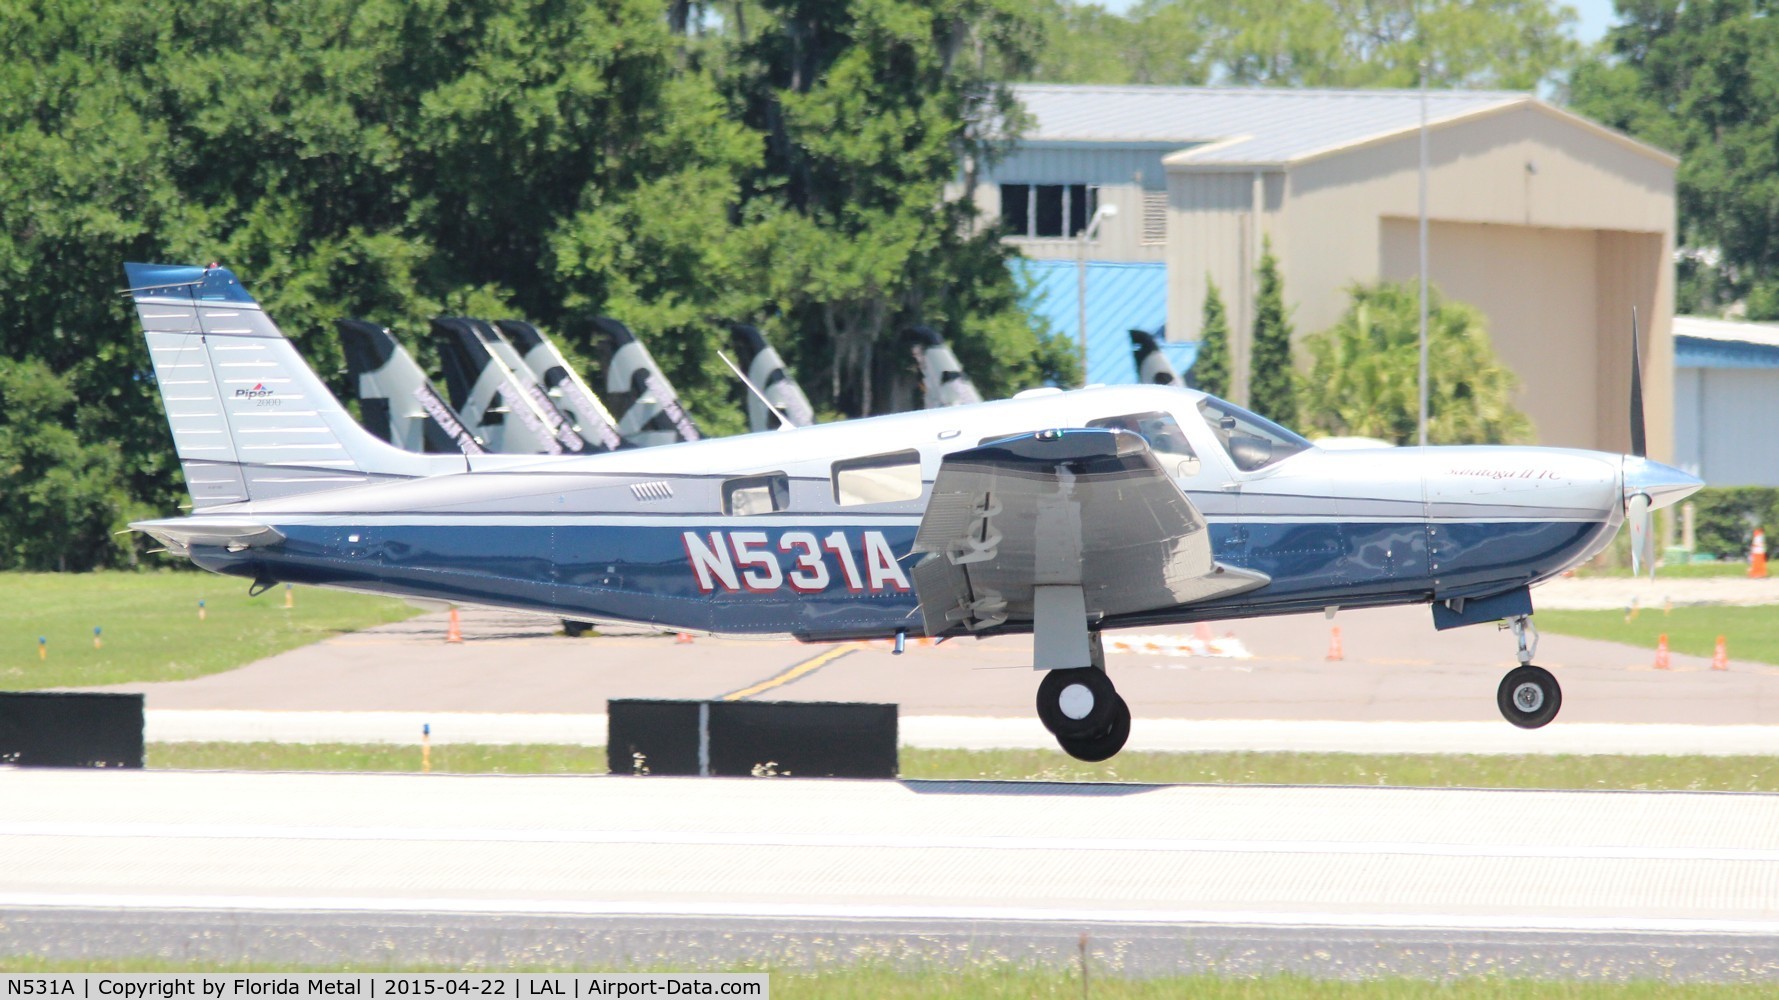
(250, 419)
(1153, 366)
(396, 400)
(639, 390)
(573, 397)
(940, 373)
(779, 394)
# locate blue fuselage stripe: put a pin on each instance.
(833, 578)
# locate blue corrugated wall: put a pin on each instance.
(1120, 298)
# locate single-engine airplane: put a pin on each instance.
(1053, 513)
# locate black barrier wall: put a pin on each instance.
(810, 739)
(45, 729)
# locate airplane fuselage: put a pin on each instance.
(809, 532)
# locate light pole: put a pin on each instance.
(1423, 249)
(1100, 214)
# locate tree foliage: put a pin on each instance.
(1364, 375)
(1210, 369)
(1700, 79)
(781, 161)
(1512, 44)
(1272, 387)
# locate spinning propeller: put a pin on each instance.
(1647, 485)
(1637, 509)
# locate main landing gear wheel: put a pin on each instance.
(1529, 696)
(1078, 703)
(1098, 747)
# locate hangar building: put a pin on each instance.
(1726, 400)
(1553, 225)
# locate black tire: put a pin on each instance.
(576, 629)
(1060, 687)
(1529, 697)
(1094, 749)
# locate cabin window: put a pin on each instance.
(756, 494)
(1164, 435)
(878, 479)
(1032, 210)
(1253, 442)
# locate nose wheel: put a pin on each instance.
(1084, 712)
(1529, 696)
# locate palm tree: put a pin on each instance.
(1364, 376)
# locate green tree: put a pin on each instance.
(1272, 390)
(1364, 376)
(868, 107)
(64, 496)
(1512, 44)
(1701, 79)
(1210, 370)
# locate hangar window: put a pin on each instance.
(756, 494)
(1034, 210)
(878, 479)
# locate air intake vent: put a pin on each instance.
(647, 492)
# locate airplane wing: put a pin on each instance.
(179, 534)
(1086, 507)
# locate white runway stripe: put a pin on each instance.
(1071, 917)
(869, 841)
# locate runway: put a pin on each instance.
(1429, 874)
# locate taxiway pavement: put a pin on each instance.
(1456, 882)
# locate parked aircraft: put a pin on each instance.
(650, 410)
(1053, 513)
(766, 371)
(397, 402)
(1153, 367)
(503, 407)
(941, 376)
(561, 384)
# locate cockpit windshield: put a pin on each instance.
(1253, 442)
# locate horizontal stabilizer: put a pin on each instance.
(179, 534)
(1088, 507)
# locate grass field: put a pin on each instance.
(1000, 980)
(1717, 774)
(1677, 571)
(151, 630)
(1751, 634)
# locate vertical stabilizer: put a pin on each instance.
(564, 386)
(396, 401)
(649, 410)
(489, 395)
(766, 370)
(250, 419)
(940, 374)
(1153, 367)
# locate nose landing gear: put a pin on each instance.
(1529, 697)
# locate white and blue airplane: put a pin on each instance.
(1057, 514)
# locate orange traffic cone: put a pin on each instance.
(453, 633)
(1720, 660)
(1335, 652)
(683, 639)
(1661, 652)
(1757, 556)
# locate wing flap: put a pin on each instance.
(1089, 508)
